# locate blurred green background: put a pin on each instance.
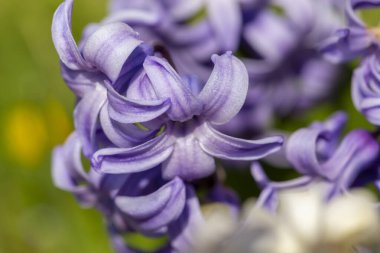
(36, 114)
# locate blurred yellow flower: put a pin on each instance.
(30, 131)
(25, 134)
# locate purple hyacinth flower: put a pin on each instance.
(280, 52)
(315, 152)
(189, 141)
(355, 40)
(320, 156)
(142, 202)
(98, 72)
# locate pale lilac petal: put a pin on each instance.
(188, 160)
(123, 136)
(222, 146)
(67, 166)
(81, 82)
(270, 36)
(182, 232)
(225, 91)
(322, 140)
(68, 172)
(346, 44)
(127, 111)
(141, 89)
(303, 154)
(168, 84)
(63, 39)
(86, 115)
(157, 209)
(127, 160)
(357, 150)
(135, 17)
(109, 48)
(182, 10)
(225, 18)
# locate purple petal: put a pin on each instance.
(68, 173)
(81, 82)
(357, 150)
(222, 146)
(67, 166)
(127, 160)
(157, 209)
(188, 161)
(168, 84)
(322, 139)
(123, 136)
(225, 18)
(86, 116)
(109, 48)
(63, 39)
(225, 91)
(135, 17)
(141, 89)
(182, 231)
(270, 36)
(365, 89)
(182, 10)
(124, 110)
(303, 154)
(347, 44)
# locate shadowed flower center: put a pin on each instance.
(182, 129)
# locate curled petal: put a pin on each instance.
(158, 209)
(346, 44)
(322, 140)
(86, 116)
(222, 146)
(127, 160)
(67, 165)
(357, 150)
(63, 39)
(301, 150)
(225, 91)
(122, 135)
(141, 89)
(188, 161)
(182, 231)
(168, 84)
(68, 172)
(366, 90)
(109, 48)
(81, 82)
(124, 110)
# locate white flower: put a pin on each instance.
(303, 223)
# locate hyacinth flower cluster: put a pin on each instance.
(159, 83)
(276, 39)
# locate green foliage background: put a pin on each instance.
(35, 115)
